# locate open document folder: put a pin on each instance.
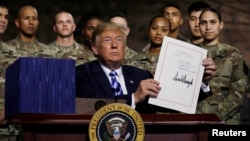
(179, 71)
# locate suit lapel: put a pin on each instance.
(102, 80)
(129, 79)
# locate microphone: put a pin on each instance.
(99, 104)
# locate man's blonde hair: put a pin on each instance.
(108, 26)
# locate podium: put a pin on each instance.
(40, 85)
(74, 127)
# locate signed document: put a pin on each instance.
(179, 71)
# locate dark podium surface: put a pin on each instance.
(74, 127)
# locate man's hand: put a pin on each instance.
(210, 70)
(148, 87)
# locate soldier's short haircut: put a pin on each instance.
(117, 14)
(3, 4)
(175, 5)
(197, 6)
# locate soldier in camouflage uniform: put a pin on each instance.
(85, 28)
(194, 11)
(7, 133)
(24, 45)
(120, 18)
(4, 14)
(65, 45)
(75, 52)
(20, 48)
(144, 60)
(230, 83)
(159, 27)
(173, 13)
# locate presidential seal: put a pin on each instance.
(116, 122)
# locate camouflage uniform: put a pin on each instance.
(129, 53)
(6, 132)
(76, 52)
(228, 85)
(29, 49)
(4, 63)
(144, 60)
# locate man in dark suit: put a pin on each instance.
(92, 78)
(135, 85)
